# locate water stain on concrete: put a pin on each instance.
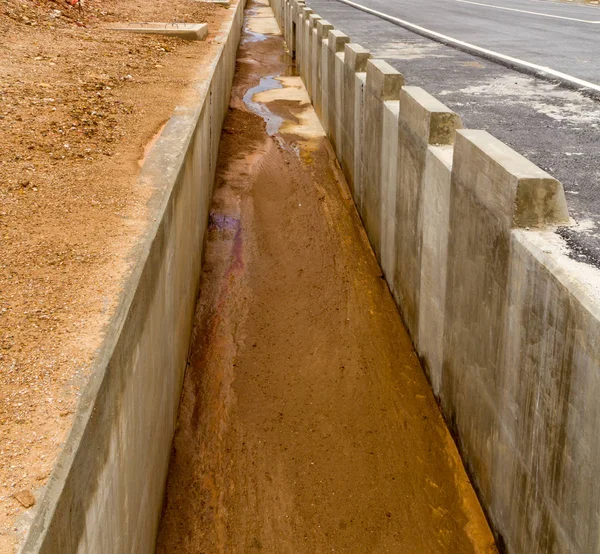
(272, 120)
(300, 119)
(260, 21)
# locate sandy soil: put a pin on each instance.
(306, 423)
(78, 104)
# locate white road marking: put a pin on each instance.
(490, 54)
(526, 11)
(570, 3)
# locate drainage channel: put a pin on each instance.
(306, 423)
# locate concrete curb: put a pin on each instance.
(105, 493)
(186, 31)
(505, 322)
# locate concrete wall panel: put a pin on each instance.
(487, 179)
(435, 213)
(549, 415)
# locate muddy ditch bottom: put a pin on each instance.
(306, 423)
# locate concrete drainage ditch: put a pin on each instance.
(507, 333)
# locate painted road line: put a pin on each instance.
(528, 12)
(571, 3)
(514, 63)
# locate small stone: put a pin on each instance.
(25, 498)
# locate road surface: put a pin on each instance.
(562, 37)
(556, 128)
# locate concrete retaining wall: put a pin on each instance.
(505, 322)
(105, 494)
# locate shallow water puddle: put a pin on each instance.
(280, 99)
(259, 23)
(293, 96)
(272, 120)
(286, 95)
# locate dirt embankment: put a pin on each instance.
(78, 104)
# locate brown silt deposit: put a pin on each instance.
(306, 423)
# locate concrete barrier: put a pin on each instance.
(322, 33)
(505, 321)
(383, 84)
(185, 31)
(335, 46)
(424, 121)
(106, 492)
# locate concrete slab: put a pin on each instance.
(186, 31)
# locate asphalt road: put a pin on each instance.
(556, 128)
(564, 37)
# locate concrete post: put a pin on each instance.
(294, 30)
(290, 25)
(383, 83)
(306, 44)
(389, 182)
(336, 42)
(287, 24)
(355, 63)
(311, 65)
(325, 83)
(323, 28)
(423, 121)
(340, 100)
(302, 35)
(435, 212)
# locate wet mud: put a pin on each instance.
(306, 424)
